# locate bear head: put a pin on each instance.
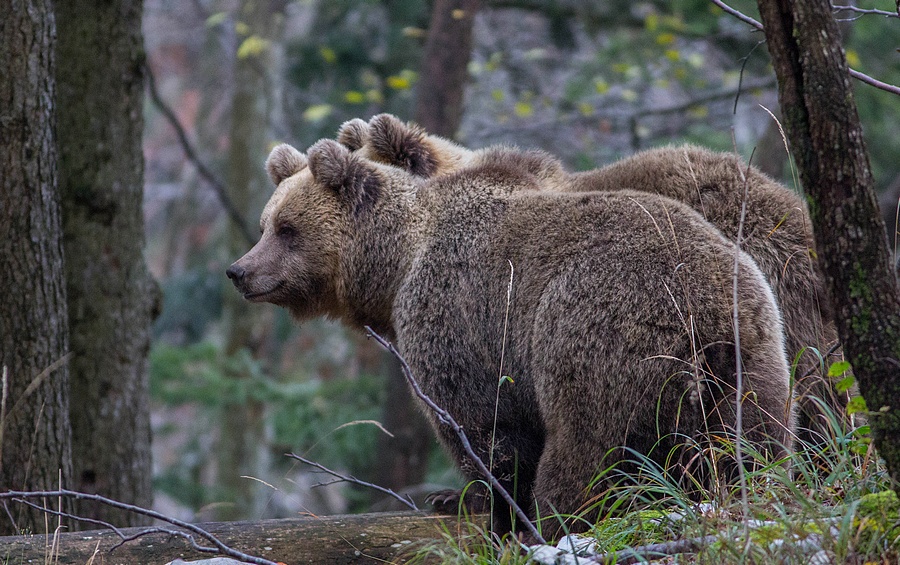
(306, 227)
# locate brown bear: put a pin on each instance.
(611, 313)
(776, 227)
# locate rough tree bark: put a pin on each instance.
(439, 102)
(826, 139)
(111, 294)
(35, 438)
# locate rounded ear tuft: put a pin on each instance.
(284, 161)
(401, 145)
(329, 162)
(356, 181)
(353, 134)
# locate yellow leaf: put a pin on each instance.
(241, 28)
(252, 47)
(497, 95)
(397, 82)
(328, 54)
(414, 32)
(523, 109)
(601, 86)
(354, 97)
(698, 112)
(673, 54)
(651, 22)
(317, 112)
(401, 81)
(665, 39)
(586, 109)
(853, 58)
(620, 67)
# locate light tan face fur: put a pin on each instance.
(295, 261)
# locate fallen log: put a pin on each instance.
(359, 538)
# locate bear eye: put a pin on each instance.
(286, 232)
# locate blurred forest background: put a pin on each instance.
(236, 386)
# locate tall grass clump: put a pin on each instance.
(828, 502)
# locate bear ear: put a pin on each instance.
(401, 145)
(355, 180)
(284, 161)
(353, 134)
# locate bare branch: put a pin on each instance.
(855, 74)
(445, 418)
(351, 479)
(220, 548)
(864, 11)
(652, 551)
(217, 186)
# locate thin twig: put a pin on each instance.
(220, 548)
(217, 186)
(407, 500)
(739, 373)
(855, 74)
(445, 418)
(864, 11)
(61, 514)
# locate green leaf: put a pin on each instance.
(216, 19)
(857, 404)
(845, 384)
(328, 54)
(838, 368)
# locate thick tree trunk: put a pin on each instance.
(442, 82)
(111, 294)
(826, 140)
(35, 438)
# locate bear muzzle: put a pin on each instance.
(255, 289)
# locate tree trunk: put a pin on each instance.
(110, 292)
(35, 438)
(240, 450)
(445, 63)
(826, 140)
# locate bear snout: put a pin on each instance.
(236, 273)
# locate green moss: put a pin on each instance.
(640, 528)
(876, 520)
(860, 291)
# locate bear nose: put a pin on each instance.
(235, 273)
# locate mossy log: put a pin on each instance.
(361, 538)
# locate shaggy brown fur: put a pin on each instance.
(618, 332)
(777, 230)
